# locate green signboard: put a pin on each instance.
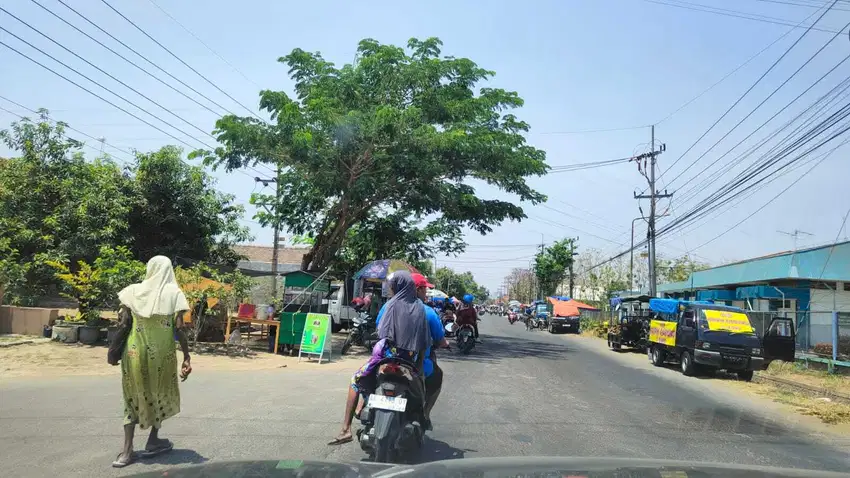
(317, 327)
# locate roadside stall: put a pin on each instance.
(372, 278)
(303, 293)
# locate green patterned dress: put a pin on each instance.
(149, 372)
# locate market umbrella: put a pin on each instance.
(437, 293)
(381, 268)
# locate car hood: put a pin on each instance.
(495, 466)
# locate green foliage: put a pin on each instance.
(456, 285)
(552, 264)
(54, 205)
(95, 286)
(398, 134)
(594, 327)
(58, 207)
(180, 214)
(678, 269)
(228, 287)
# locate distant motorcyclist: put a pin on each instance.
(468, 315)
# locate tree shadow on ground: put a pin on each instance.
(494, 349)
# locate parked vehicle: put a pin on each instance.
(630, 325)
(559, 324)
(363, 333)
(342, 314)
(392, 416)
(707, 336)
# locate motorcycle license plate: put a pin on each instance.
(395, 404)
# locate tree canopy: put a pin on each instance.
(458, 284)
(397, 134)
(552, 264)
(56, 206)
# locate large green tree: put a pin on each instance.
(400, 132)
(180, 213)
(55, 205)
(458, 284)
(678, 269)
(552, 264)
(58, 207)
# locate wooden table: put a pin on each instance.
(248, 320)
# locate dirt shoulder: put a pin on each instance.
(52, 359)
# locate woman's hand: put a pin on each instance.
(186, 369)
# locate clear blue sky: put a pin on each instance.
(580, 65)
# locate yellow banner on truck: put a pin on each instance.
(662, 332)
(728, 321)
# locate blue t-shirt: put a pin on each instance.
(435, 325)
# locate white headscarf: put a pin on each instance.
(158, 294)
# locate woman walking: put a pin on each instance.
(152, 312)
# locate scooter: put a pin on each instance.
(392, 417)
(449, 325)
(364, 332)
(512, 317)
(465, 339)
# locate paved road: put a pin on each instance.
(519, 393)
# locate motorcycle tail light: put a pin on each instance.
(391, 369)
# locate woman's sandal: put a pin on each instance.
(158, 451)
(121, 464)
(341, 440)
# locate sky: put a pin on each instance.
(594, 75)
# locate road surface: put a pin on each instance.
(519, 393)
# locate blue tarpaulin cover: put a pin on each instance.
(664, 306)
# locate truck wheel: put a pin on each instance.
(656, 355)
(746, 375)
(335, 327)
(688, 368)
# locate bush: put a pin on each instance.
(825, 348)
(595, 327)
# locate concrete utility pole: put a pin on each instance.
(573, 253)
(650, 234)
(275, 225)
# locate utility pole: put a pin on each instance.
(539, 284)
(573, 253)
(650, 233)
(796, 234)
(275, 225)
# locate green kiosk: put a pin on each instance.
(303, 293)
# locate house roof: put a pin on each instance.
(259, 258)
(827, 263)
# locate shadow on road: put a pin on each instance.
(494, 349)
(177, 456)
(436, 450)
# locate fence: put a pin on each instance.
(814, 330)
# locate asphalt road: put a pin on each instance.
(518, 393)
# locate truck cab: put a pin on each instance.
(702, 335)
(342, 314)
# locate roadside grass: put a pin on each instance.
(830, 412)
(797, 372)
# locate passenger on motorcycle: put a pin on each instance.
(467, 314)
(403, 332)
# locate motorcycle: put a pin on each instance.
(364, 332)
(512, 317)
(392, 417)
(449, 325)
(465, 338)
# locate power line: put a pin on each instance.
(54, 14)
(142, 30)
(67, 126)
(765, 100)
(204, 44)
(98, 69)
(98, 96)
(124, 160)
(735, 13)
(589, 165)
(760, 78)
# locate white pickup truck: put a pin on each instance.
(341, 312)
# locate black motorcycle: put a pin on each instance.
(393, 416)
(465, 339)
(364, 332)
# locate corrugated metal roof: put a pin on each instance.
(828, 263)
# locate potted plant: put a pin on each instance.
(95, 287)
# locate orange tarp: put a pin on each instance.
(202, 284)
(581, 305)
(563, 308)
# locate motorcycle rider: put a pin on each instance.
(467, 314)
(433, 372)
(404, 333)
